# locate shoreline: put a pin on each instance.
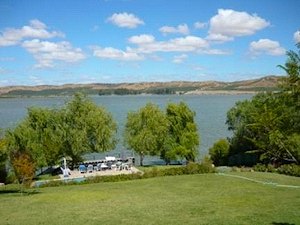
(79, 177)
(221, 92)
(195, 92)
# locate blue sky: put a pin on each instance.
(111, 41)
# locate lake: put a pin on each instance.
(210, 114)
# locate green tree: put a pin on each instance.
(76, 129)
(269, 123)
(219, 152)
(292, 68)
(86, 128)
(183, 138)
(262, 126)
(146, 131)
(3, 159)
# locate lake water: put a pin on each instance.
(210, 114)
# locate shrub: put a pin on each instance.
(260, 167)
(289, 169)
(11, 178)
(115, 178)
(264, 168)
(219, 152)
(191, 168)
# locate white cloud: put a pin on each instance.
(228, 24)
(116, 54)
(180, 29)
(266, 46)
(2, 71)
(297, 36)
(126, 20)
(36, 80)
(199, 25)
(36, 29)
(46, 53)
(141, 39)
(179, 58)
(183, 44)
(147, 46)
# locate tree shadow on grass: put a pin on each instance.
(276, 223)
(17, 191)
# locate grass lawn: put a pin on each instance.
(189, 199)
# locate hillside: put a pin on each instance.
(182, 87)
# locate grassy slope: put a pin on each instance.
(192, 199)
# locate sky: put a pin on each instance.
(114, 41)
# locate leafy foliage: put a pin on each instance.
(3, 153)
(290, 169)
(49, 134)
(24, 167)
(269, 123)
(171, 135)
(219, 152)
(183, 137)
(146, 130)
(3, 158)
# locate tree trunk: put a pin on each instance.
(141, 159)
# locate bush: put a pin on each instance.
(219, 152)
(289, 169)
(11, 178)
(115, 178)
(191, 168)
(264, 168)
(260, 168)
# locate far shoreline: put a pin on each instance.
(190, 93)
(222, 92)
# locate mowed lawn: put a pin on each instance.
(189, 199)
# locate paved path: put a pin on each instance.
(258, 181)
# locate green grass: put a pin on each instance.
(189, 199)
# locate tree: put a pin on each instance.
(183, 137)
(47, 135)
(292, 68)
(269, 123)
(3, 158)
(24, 167)
(86, 128)
(219, 152)
(146, 131)
(262, 126)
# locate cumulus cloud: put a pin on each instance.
(36, 29)
(116, 54)
(178, 59)
(126, 20)
(180, 29)
(146, 46)
(266, 46)
(141, 39)
(297, 36)
(228, 24)
(199, 25)
(183, 44)
(47, 53)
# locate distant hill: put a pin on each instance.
(268, 83)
